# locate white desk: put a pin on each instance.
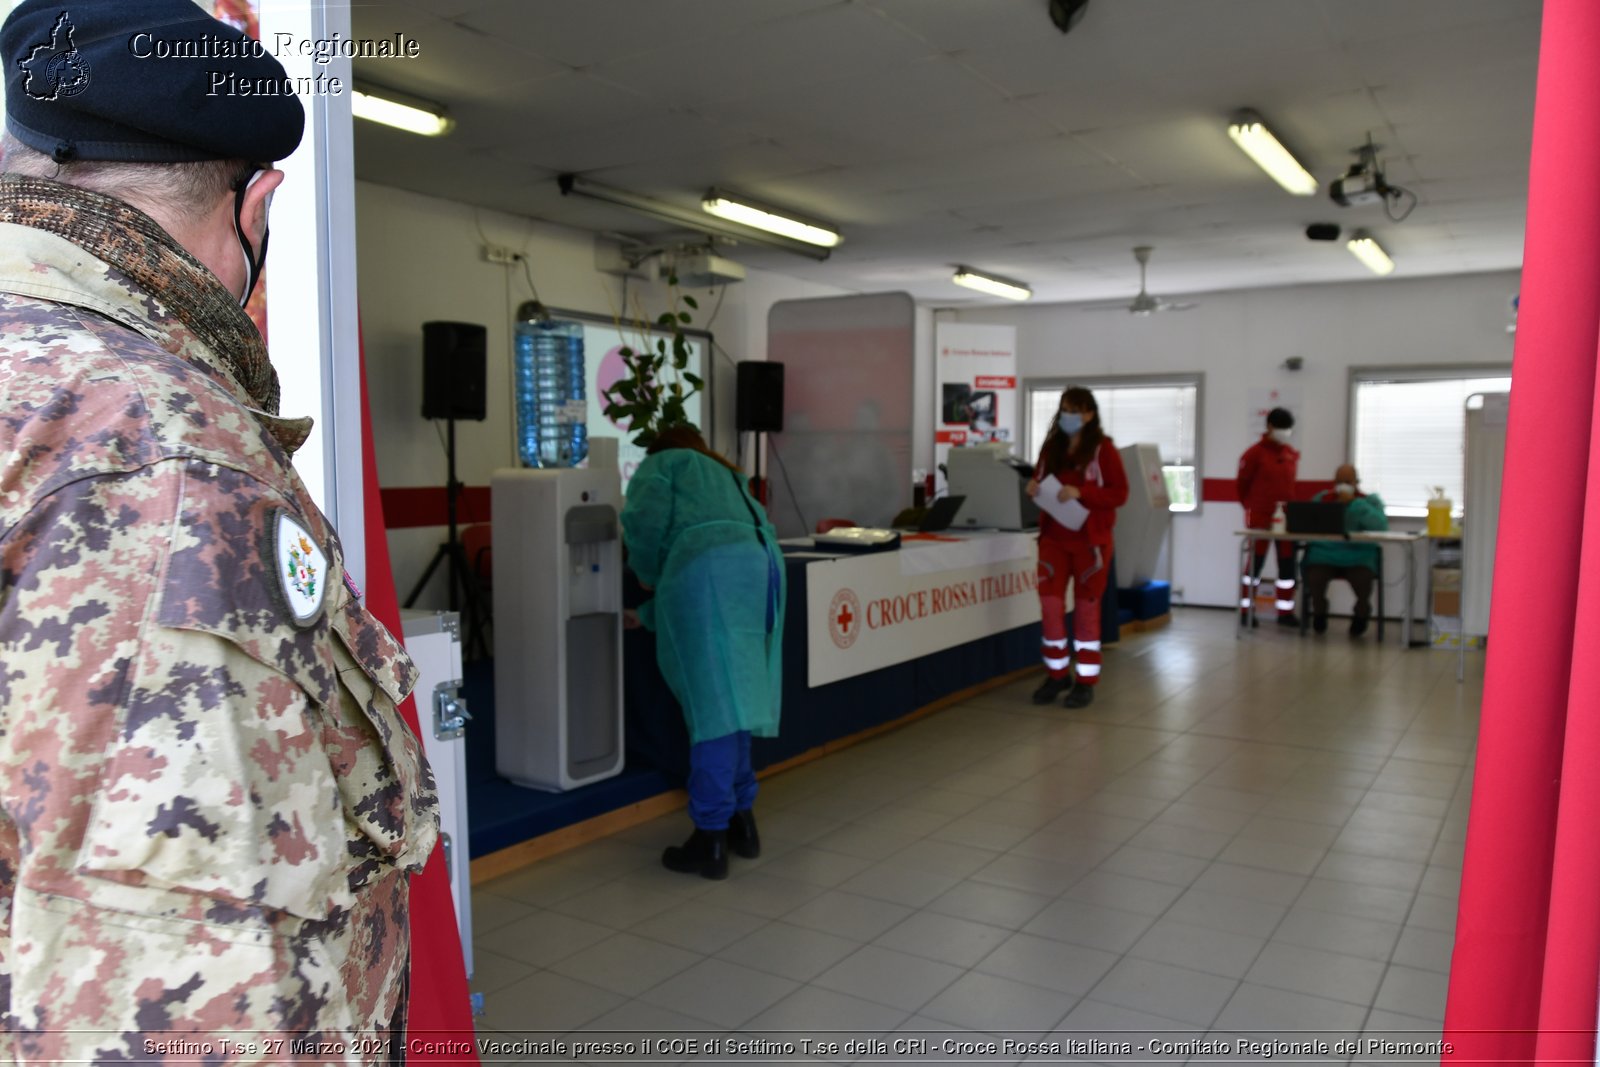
(1380, 538)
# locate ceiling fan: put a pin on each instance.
(1144, 303)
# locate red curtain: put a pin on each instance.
(1524, 977)
(440, 1002)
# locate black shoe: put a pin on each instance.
(1289, 620)
(1052, 688)
(705, 854)
(743, 838)
(1319, 623)
(1358, 626)
(1080, 697)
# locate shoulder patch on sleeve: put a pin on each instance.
(302, 569)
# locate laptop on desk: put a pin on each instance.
(941, 514)
(1314, 517)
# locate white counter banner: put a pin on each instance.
(863, 613)
(976, 378)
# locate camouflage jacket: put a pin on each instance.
(208, 803)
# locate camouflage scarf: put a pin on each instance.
(135, 244)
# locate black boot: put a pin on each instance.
(705, 854)
(1358, 626)
(1080, 697)
(743, 837)
(1052, 688)
(1319, 622)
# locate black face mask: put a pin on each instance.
(254, 262)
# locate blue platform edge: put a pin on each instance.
(501, 814)
(1148, 600)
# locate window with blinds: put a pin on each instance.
(1163, 412)
(1408, 432)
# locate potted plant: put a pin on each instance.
(655, 392)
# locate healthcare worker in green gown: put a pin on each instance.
(701, 542)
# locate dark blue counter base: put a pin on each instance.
(502, 814)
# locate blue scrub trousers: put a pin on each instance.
(720, 780)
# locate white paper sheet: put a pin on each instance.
(1068, 513)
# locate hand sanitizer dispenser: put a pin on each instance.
(558, 625)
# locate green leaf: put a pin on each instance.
(672, 279)
(692, 302)
(683, 316)
(664, 319)
(661, 344)
(694, 380)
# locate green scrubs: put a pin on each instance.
(696, 535)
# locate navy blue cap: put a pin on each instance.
(152, 81)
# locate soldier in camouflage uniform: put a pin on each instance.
(209, 807)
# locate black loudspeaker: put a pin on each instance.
(455, 357)
(759, 404)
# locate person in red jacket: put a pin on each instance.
(1266, 479)
(1085, 462)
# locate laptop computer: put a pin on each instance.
(1314, 517)
(941, 514)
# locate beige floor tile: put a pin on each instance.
(944, 937)
(1217, 842)
(1050, 964)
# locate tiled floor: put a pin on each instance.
(1258, 837)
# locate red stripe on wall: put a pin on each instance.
(413, 506)
(1226, 490)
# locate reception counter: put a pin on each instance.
(931, 619)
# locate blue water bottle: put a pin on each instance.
(551, 385)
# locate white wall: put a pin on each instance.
(420, 258)
(1239, 340)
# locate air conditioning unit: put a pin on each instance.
(703, 270)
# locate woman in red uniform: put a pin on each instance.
(1079, 455)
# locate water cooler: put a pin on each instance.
(557, 578)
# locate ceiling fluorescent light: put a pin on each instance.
(747, 212)
(991, 284)
(403, 113)
(1258, 142)
(575, 185)
(1370, 253)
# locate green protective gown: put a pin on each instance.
(696, 535)
(1362, 514)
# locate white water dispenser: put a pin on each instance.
(558, 626)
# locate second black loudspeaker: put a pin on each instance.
(454, 368)
(759, 403)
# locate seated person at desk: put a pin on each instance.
(1355, 563)
(697, 538)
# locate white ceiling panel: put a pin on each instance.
(585, 33)
(452, 64)
(787, 52)
(946, 131)
(1376, 21)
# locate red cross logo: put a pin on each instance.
(844, 611)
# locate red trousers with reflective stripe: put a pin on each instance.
(1087, 567)
(1284, 586)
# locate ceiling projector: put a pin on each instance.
(1363, 183)
(703, 270)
